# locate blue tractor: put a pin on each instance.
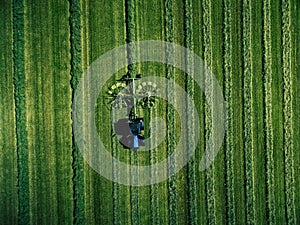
(131, 128)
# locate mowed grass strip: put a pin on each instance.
(217, 39)
(277, 111)
(207, 56)
(8, 150)
(62, 99)
(288, 112)
(199, 103)
(229, 138)
(42, 175)
(237, 103)
(259, 159)
(149, 26)
(20, 102)
(248, 113)
(117, 18)
(269, 148)
(49, 110)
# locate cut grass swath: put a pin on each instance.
(20, 101)
(209, 173)
(130, 19)
(287, 112)
(248, 112)
(268, 112)
(76, 71)
(170, 74)
(229, 113)
(192, 195)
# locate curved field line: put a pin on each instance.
(248, 113)
(76, 71)
(288, 112)
(229, 111)
(268, 112)
(209, 174)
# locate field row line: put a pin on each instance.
(207, 42)
(248, 112)
(191, 173)
(154, 188)
(116, 187)
(268, 111)
(130, 18)
(229, 113)
(170, 74)
(20, 102)
(288, 112)
(76, 71)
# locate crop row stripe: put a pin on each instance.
(130, 12)
(287, 112)
(268, 111)
(171, 165)
(20, 101)
(209, 175)
(154, 189)
(248, 113)
(116, 186)
(229, 113)
(192, 195)
(116, 174)
(76, 71)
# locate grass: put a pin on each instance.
(76, 71)
(268, 113)
(229, 122)
(248, 112)
(21, 132)
(252, 48)
(287, 113)
(8, 154)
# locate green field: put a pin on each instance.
(253, 49)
